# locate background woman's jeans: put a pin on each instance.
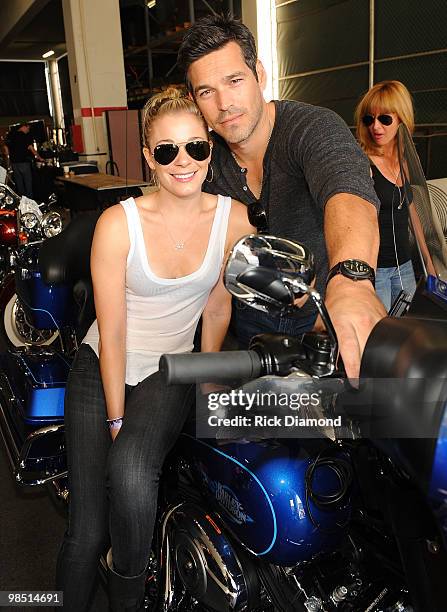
(388, 285)
(248, 322)
(126, 472)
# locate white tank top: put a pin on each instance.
(162, 313)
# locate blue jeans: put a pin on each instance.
(113, 485)
(23, 178)
(388, 283)
(248, 322)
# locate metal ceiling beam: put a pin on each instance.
(16, 15)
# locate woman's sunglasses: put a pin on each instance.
(384, 119)
(257, 216)
(165, 153)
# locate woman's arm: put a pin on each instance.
(420, 238)
(108, 265)
(217, 312)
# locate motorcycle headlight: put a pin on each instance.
(51, 224)
(9, 200)
(29, 220)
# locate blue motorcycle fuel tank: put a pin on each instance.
(259, 488)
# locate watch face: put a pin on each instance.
(358, 268)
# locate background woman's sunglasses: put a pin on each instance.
(165, 153)
(384, 119)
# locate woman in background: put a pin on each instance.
(378, 116)
(157, 268)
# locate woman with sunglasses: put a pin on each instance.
(157, 268)
(378, 116)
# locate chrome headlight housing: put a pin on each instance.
(51, 224)
(29, 220)
(9, 200)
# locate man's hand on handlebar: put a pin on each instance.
(354, 309)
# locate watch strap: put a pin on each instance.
(339, 268)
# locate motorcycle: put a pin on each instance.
(45, 311)
(24, 225)
(9, 202)
(335, 521)
(352, 518)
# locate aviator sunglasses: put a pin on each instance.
(165, 153)
(384, 119)
(257, 216)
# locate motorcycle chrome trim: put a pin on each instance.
(8, 439)
(46, 312)
(318, 301)
(218, 569)
(24, 330)
(61, 492)
(168, 596)
(5, 188)
(23, 456)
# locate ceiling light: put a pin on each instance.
(48, 54)
(151, 3)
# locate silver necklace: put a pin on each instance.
(396, 179)
(401, 196)
(179, 245)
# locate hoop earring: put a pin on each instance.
(209, 180)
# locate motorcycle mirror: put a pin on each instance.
(269, 273)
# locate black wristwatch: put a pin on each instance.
(355, 269)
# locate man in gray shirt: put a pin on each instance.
(299, 170)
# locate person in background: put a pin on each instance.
(378, 116)
(300, 172)
(157, 267)
(21, 151)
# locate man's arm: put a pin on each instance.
(34, 153)
(351, 232)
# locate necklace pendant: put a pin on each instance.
(179, 246)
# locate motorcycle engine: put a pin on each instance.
(222, 577)
(343, 581)
(211, 570)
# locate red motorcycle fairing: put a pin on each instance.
(8, 227)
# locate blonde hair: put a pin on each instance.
(171, 100)
(384, 97)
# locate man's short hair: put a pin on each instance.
(211, 33)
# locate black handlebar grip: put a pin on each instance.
(210, 367)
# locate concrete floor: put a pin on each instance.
(31, 530)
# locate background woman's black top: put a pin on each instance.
(391, 198)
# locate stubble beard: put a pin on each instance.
(237, 135)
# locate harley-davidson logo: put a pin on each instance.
(228, 500)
